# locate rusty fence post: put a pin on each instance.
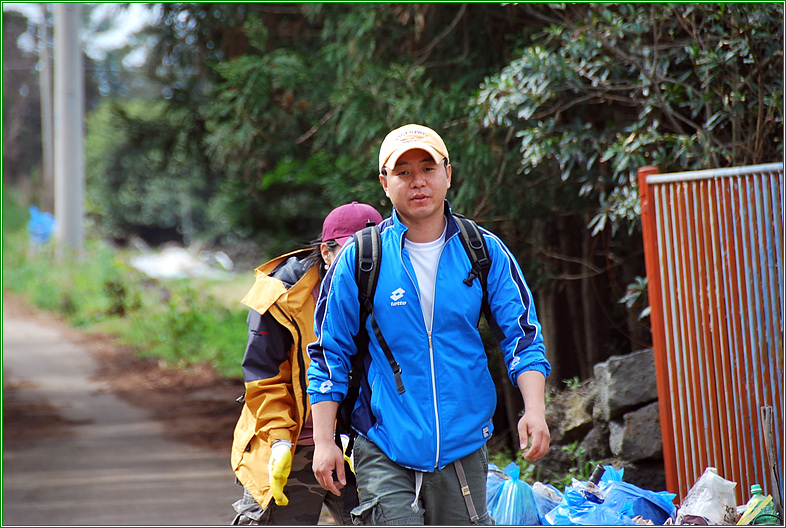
(649, 234)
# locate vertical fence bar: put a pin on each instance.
(650, 235)
(713, 361)
(687, 305)
(713, 253)
(742, 312)
(752, 310)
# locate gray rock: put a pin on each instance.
(614, 414)
(569, 415)
(624, 383)
(646, 474)
(616, 436)
(637, 436)
(556, 463)
(596, 443)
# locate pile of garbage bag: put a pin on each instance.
(605, 499)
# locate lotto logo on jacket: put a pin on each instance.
(396, 296)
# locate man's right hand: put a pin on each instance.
(329, 462)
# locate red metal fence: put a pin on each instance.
(713, 248)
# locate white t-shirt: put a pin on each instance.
(425, 257)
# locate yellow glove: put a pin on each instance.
(279, 467)
(349, 461)
(348, 457)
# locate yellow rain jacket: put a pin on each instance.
(276, 405)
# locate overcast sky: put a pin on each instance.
(124, 22)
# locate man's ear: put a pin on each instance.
(449, 173)
(384, 181)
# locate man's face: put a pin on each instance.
(417, 186)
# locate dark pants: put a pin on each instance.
(305, 495)
(388, 493)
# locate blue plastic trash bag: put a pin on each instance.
(510, 500)
(656, 507)
(634, 501)
(40, 226)
(622, 502)
(547, 497)
(494, 479)
(575, 509)
(612, 475)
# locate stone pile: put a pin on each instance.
(612, 418)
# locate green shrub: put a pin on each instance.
(187, 328)
(14, 215)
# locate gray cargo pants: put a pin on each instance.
(391, 494)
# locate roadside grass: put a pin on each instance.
(226, 291)
(181, 322)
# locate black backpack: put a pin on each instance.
(368, 251)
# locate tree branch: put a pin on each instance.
(563, 258)
(325, 118)
(426, 52)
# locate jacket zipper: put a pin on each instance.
(431, 354)
(431, 347)
(434, 395)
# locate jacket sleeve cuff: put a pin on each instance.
(330, 396)
(277, 435)
(543, 369)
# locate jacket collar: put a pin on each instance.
(269, 289)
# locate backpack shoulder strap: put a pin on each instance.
(367, 258)
(367, 253)
(368, 243)
(475, 246)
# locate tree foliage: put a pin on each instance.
(290, 102)
(21, 102)
(600, 91)
(156, 178)
(610, 88)
(273, 114)
(549, 111)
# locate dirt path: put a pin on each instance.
(94, 435)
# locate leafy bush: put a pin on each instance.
(187, 328)
(143, 169)
(608, 88)
(529, 470)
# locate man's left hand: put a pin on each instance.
(534, 431)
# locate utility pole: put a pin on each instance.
(69, 123)
(47, 142)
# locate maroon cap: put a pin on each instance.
(345, 220)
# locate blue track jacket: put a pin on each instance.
(446, 411)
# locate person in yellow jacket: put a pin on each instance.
(273, 445)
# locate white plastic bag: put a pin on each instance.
(711, 498)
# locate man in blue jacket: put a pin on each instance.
(420, 456)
